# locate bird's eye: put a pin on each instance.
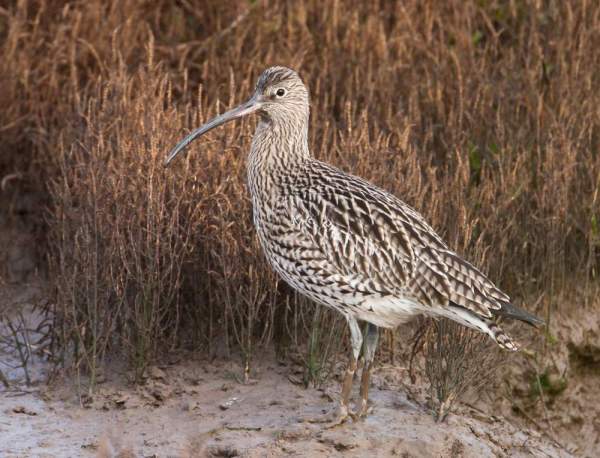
(280, 92)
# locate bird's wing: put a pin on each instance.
(369, 236)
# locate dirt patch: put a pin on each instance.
(196, 408)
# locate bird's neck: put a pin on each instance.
(280, 145)
(277, 150)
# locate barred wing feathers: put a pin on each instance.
(369, 235)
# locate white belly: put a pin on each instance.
(387, 312)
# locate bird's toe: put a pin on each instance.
(334, 418)
(361, 411)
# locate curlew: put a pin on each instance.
(348, 244)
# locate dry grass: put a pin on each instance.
(483, 115)
(458, 361)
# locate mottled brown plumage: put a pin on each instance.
(347, 244)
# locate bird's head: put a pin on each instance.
(280, 97)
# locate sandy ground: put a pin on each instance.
(190, 407)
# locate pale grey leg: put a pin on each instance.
(356, 340)
(343, 411)
(371, 339)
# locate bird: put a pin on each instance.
(348, 244)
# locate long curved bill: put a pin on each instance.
(250, 106)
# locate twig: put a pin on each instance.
(25, 333)
(542, 397)
(9, 177)
(242, 428)
(13, 123)
(541, 429)
(419, 334)
(4, 380)
(24, 358)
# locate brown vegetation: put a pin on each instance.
(457, 360)
(483, 115)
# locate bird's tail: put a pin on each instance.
(501, 338)
(486, 325)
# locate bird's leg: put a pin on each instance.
(344, 406)
(343, 411)
(371, 338)
(356, 340)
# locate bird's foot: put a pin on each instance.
(335, 418)
(361, 411)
